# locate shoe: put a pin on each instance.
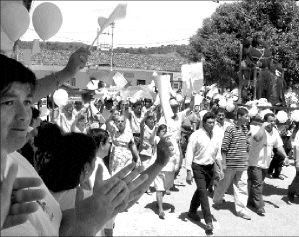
(261, 211)
(174, 188)
(194, 216)
(244, 216)
(167, 192)
(291, 196)
(278, 177)
(217, 205)
(162, 215)
(209, 227)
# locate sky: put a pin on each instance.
(147, 23)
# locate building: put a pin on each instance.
(137, 69)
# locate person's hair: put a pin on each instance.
(267, 115)
(208, 115)
(64, 170)
(138, 102)
(160, 128)
(241, 111)
(48, 136)
(14, 71)
(100, 136)
(220, 110)
(35, 113)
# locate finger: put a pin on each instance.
(21, 183)
(116, 189)
(131, 176)
(9, 180)
(122, 196)
(106, 186)
(13, 220)
(99, 176)
(29, 195)
(79, 196)
(139, 184)
(123, 172)
(23, 208)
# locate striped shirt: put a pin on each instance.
(236, 147)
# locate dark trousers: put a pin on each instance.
(294, 187)
(256, 177)
(276, 164)
(203, 175)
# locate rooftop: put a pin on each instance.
(169, 62)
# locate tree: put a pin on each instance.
(218, 41)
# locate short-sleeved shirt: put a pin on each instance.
(260, 153)
(46, 220)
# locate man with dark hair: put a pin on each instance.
(234, 151)
(202, 149)
(264, 139)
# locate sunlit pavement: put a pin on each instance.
(280, 219)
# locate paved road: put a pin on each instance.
(281, 218)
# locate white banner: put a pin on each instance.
(192, 77)
(119, 80)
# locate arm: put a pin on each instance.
(134, 151)
(261, 132)
(48, 84)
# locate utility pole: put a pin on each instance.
(111, 55)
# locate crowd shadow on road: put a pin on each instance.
(273, 190)
(184, 217)
(154, 207)
(226, 206)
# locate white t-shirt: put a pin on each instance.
(46, 220)
(260, 153)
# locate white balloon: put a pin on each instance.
(230, 107)
(60, 97)
(179, 98)
(282, 116)
(222, 103)
(15, 20)
(6, 43)
(47, 20)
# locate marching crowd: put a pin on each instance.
(72, 175)
(217, 149)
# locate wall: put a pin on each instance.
(104, 74)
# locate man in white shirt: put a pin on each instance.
(202, 150)
(294, 187)
(263, 140)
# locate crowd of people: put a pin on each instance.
(217, 148)
(73, 173)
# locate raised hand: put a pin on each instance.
(109, 198)
(77, 61)
(22, 199)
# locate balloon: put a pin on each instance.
(15, 20)
(60, 97)
(230, 107)
(179, 98)
(282, 116)
(222, 103)
(47, 20)
(6, 43)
